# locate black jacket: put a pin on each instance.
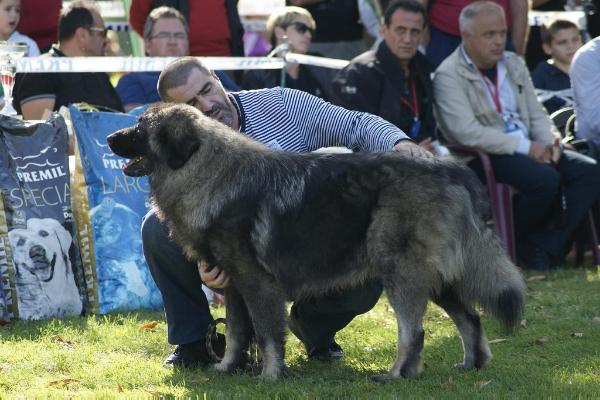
(374, 82)
(311, 79)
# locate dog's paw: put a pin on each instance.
(274, 372)
(224, 367)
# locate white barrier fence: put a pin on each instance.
(148, 64)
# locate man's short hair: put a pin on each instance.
(412, 6)
(284, 17)
(176, 74)
(547, 33)
(78, 14)
(465, 19)
(160, 13)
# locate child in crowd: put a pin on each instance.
(10, 14)
(560, 41)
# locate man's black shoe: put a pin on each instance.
(537, 259)
(188, 355)
(331, 353)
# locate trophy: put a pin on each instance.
(9, 54)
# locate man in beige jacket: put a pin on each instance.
(484, 98)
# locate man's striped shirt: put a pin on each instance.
(292, 120)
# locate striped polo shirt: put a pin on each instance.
(292, 120)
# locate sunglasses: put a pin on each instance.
(301, 27)
(101, 31)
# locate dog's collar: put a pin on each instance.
(240, 111)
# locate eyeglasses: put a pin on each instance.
(301, 27)
(102, 31)
(169, 36)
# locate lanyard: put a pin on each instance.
(494, 91)
(414, 107)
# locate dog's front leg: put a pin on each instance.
(266, 307)
(239, 332)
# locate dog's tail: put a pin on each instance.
(489, 277)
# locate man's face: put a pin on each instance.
(167, 39)
(564, 45)
(486, 39)
(403, 35)
(205, 92)
(96, 39)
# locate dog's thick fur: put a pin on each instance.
(287, 225)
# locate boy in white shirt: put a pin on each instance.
(10, 14)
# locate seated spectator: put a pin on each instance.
(81, 33)
(339, 33)
(165, 35)
(296, 26)
(560, 41)
(484, 98)
(394, 81)
(444, 29)
(585, 79)
(10, 14)
(216, 26)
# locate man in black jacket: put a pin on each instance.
(394, 81)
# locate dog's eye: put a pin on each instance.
(21, 242)
(43, 233)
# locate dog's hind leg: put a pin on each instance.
(476, 349)
(409, 303)
(239, 332)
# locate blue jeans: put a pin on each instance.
(187, 311)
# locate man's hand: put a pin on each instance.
(216, 278)
(412, 149)
(540, 152)
(427, 144)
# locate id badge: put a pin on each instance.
(415, 128)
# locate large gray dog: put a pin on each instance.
(286, 225)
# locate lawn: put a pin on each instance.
(555, 354)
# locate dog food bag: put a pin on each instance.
(108, 211)
(40, 264)
(5, 315)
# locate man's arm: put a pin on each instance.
(519, 26)
(541, 127)
(35, 109)
(324, 125)
(585, 81)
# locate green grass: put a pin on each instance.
(556, 354)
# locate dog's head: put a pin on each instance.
(164, 134)
(40, 250)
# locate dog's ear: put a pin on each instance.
(178, 142)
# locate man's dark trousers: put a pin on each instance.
(538, 186)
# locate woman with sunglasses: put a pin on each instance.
(295, 26)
